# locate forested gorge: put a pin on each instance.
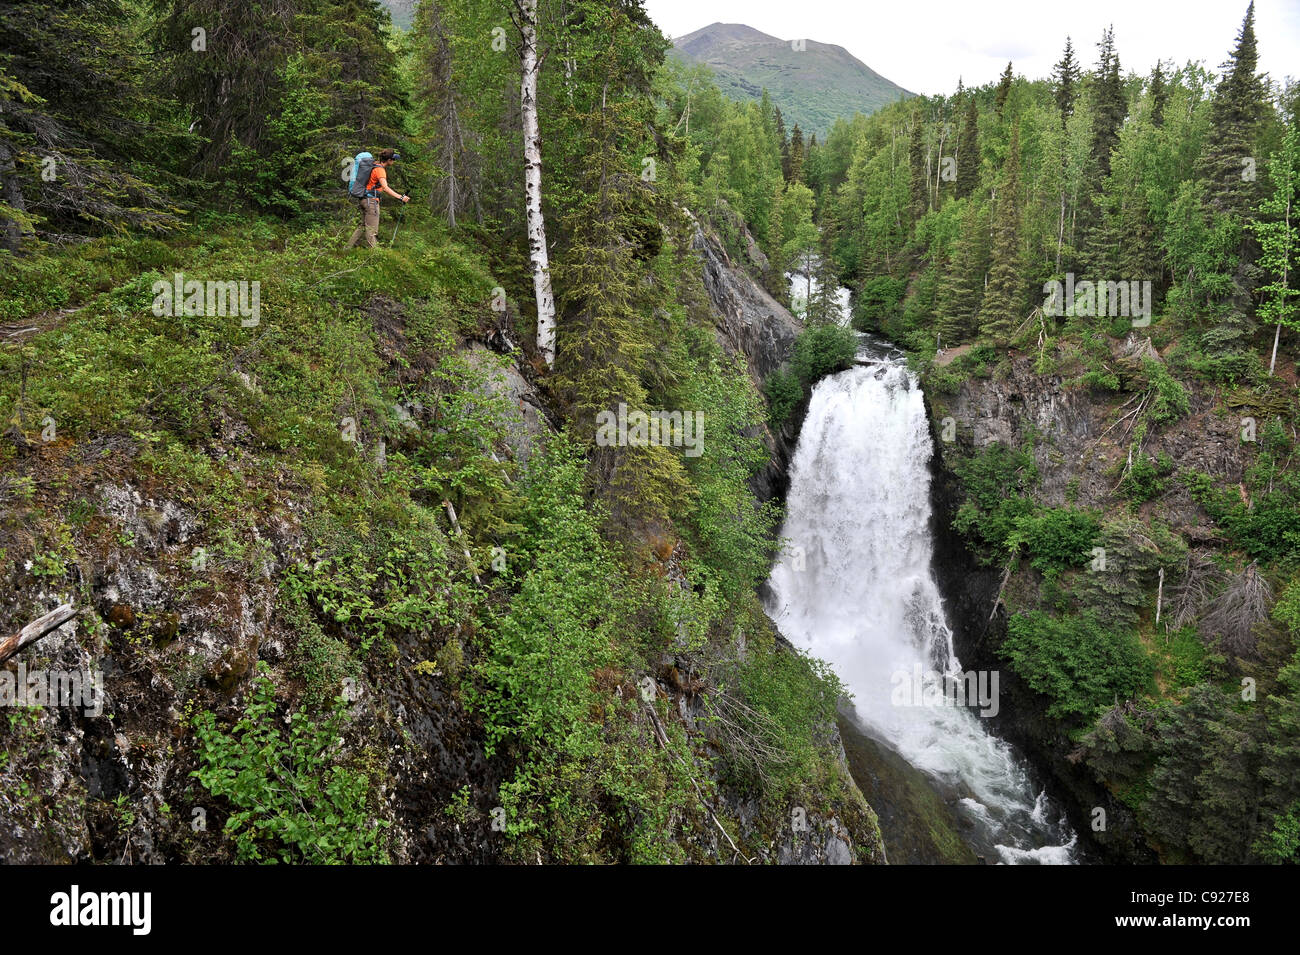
(984, 231)
(380, 510)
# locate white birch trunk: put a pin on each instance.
(1286, 269)
(537, 252)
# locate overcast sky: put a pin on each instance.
(924, 45)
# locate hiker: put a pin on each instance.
(377, 183)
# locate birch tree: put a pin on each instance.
(1276, 229)
(530, 66)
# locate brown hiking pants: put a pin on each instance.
(369, 228)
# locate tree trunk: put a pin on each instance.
(11, 193)
(1286, 278)
(35, 630)
(1060, 232)
(1160, 595)
(537, 251)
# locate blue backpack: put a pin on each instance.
(362, 166)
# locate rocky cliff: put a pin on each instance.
(752, 323)
(1080, 439)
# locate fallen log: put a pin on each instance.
(35, 630)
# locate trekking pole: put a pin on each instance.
(401, 215)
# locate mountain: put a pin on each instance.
(402, 12)
(813, 86)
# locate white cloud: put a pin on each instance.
(924, 45)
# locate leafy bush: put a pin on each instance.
(823, 350)
(1079, 664)
(776, 718)
(294, 801)
(783, 391)
(1268, 528)
(1171, 400)
(878, 302)
(996, 480)
(581, 758)
(1147, 478)
(1056, 538)
(733, 531)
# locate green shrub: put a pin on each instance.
(294, 802)
(1268, 528)
(783, 391)
(823, 350)
(1055, 539)
(789, 704)
(1147, 478)
(1171, 400)
(996, 480)
(1080, 665)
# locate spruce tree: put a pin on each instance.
(968, 150)
(1005, 297)
(916, 156)
(784, 139)
(961, 287)
(796, 154)
(1159, 91)
(365, 95)
(1280, 770)
(609, 301)
(439, 103)
(1065, 83)
(1205, 786)
(80, 115)
(824, 304)
(1004, 90)
(1227, 169)
(1109, 106)
(223, 60)
(1228, 159)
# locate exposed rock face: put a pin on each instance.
(917, 826)
(503, 378)
(754, 324)
(750, 320)
(1076, 448)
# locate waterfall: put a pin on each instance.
(803, 286)
(854, 587)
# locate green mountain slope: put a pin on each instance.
(813, 86)
(402, 12)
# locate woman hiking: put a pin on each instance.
(377, 183)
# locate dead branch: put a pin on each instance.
(1002, 588)
(662, 738)
(36, 629)
(469, 560)
(1233, 616)
(1200, 579)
